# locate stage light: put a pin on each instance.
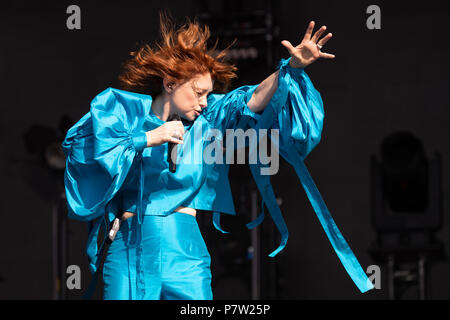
(406, 212)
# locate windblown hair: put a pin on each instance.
(180, 55)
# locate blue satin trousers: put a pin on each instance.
(176, 261)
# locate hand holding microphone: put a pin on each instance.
(171, 131)
(172, 146)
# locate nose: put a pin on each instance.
(203, 102)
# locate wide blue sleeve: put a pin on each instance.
(298, 115)
(293, 119)
(295, 110)
(300, 120)
(100, 149)
(230, 111)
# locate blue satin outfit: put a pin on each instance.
(109, 168)
(175, 257)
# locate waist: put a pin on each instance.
(186, 210)
(181, 209)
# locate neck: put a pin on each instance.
(161, 107)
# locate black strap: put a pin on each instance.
(103, 250)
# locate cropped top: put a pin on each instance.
(109, 167)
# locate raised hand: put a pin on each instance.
(308, 50)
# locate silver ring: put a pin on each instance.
(320, 47)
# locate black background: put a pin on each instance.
(381, 81)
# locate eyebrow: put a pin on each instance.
(201, 89)
(204, 90)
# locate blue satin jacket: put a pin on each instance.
(109, 167)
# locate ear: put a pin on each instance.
(169, 85)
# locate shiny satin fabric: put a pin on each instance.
(106, 156)
(299, 118)
(109, 143)
(108, 167)
(175, 257)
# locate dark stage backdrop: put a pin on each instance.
(381, 81)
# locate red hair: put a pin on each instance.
(180, 55)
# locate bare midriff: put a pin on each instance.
(181, 209)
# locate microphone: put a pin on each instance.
(172, 145)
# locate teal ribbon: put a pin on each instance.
(268, 197)
(338, 242)
(216, 222)
(140, 273)
(259, 219)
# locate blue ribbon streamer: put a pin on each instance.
(259, 219)
(338, 242)
(266, 191)
(216, 222)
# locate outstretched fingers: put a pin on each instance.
(322, 42)
(288, 46)
(326, 55)
(309, 31)
(325, 39)
(318, 34)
